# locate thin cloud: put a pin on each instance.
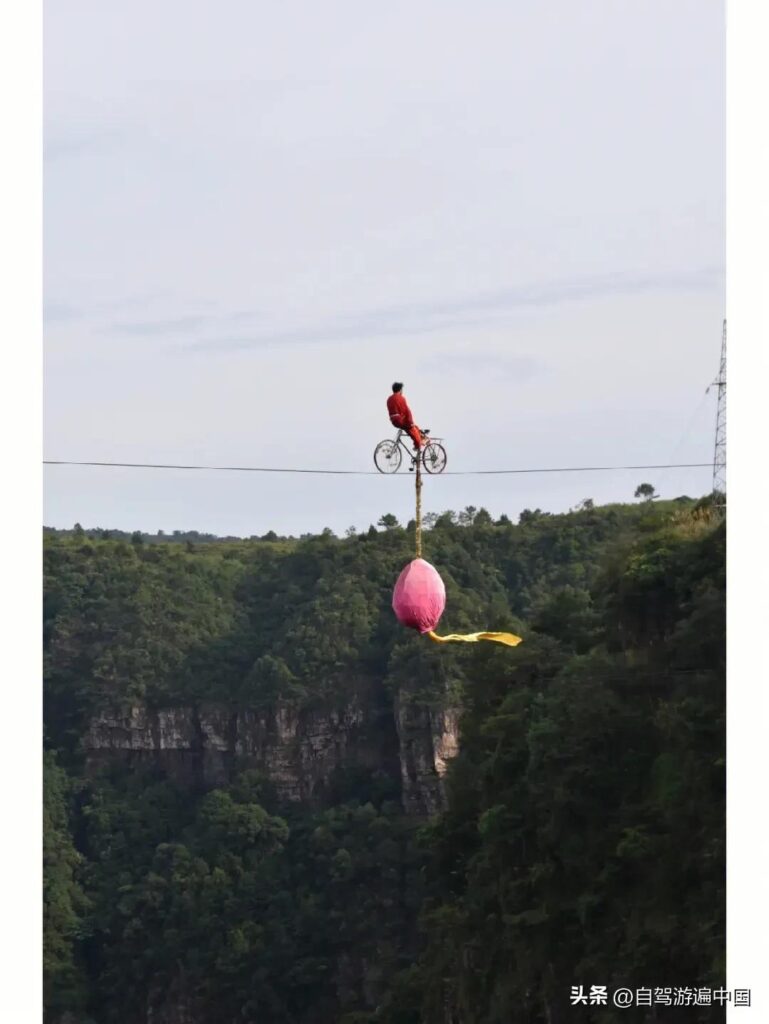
(60, 312)
(489, 308)
(63, 142)
(179, 324)
(57, 311)
(489, 364)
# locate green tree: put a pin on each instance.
(645, 491)
(388, 521)
(577, 832)
(64, 903)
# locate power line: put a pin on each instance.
(576, 469)
(213, 469)
(690, 423)
(371, 472)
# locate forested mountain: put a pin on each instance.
(267, 802)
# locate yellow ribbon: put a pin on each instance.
(510, 639)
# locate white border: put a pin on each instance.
(748, 608)
(21, 507)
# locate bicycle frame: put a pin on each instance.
(399, 441)
(412, 454)
(414, 457)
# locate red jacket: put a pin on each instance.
(398, 406)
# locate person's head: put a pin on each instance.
(397, 387)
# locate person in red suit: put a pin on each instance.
(400, 416)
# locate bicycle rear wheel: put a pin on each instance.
(434, 457)
(387, 457)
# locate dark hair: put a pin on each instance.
(397, 387)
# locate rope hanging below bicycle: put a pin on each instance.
(418, 521)
(419, 597)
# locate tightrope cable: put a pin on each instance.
(371, 472)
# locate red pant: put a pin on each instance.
(411, 429)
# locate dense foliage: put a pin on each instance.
(583, 837)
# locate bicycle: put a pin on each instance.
(388, 455)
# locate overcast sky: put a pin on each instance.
(258, 215)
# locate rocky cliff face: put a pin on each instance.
(427, 739)
(299, 751)
(302, 752)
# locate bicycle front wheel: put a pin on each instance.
(434, 457)
(387, 457)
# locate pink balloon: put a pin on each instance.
(419, 596)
